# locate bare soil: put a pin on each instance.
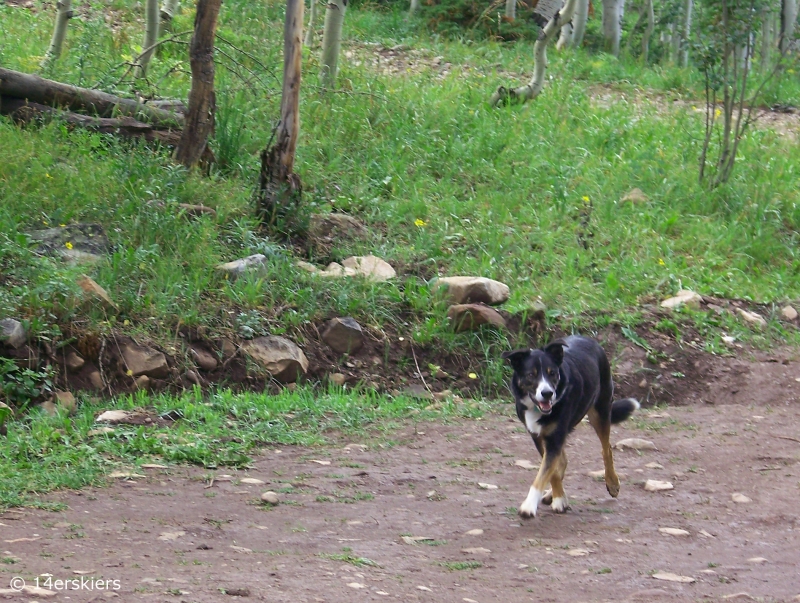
(337, 534)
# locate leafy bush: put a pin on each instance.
(471, 19)
(20, 387)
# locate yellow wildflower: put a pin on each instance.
(420, 223)
(472, 376)
(661, 262)
(717, 113)
(68, 245)
(585, 198)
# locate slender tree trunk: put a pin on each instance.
(332, 41)
(524, 93)
(788, 22)
(150, 36)
(511, 9)
(565, 39)
(767, 40)
(278, 184)
(687, 32)
(168, 11)
(579, 20)
(63, 15)
(674, 44)
(413, 8)
(612, 25)
(648, 31)
(202, 100)
(312, 21)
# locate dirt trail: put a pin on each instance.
(338, 533)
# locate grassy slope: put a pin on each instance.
(501, 193)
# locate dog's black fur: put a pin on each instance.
(554, 388)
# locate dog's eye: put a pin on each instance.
(551, 372)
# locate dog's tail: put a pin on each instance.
(622, 409)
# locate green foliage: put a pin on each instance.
(473, 20)
(20, 387)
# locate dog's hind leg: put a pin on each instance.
(602, 426)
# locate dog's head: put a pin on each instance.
(537, 374)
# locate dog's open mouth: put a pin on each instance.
(545, 406)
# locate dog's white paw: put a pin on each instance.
(529, 506)
(560, 504)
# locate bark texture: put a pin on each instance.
(332, 41)
(579, 20)
(48, 92)
(687, 32)
(150, 36)
(612, 25)
(565, 39)
(505, 95)
(278, 184)
(168, 11)
(312, 19)
(788, 24)
(202, 100)
(63, 15)
(511, 9)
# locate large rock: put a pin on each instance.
(283, 359)
(789, 313)
(326, 229)
(77, 243)
(73, 361)
(468, 317)
(343, 335)
(684, 297)
(753, 318)
(472, 290)
(252, 263)
(204, 359)
(93, 291)
(12, 333)
(141, 360)
(369, 266)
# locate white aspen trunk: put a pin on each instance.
(150, 36)
(63, 15)
(168, 10)
(565, 39)
(648, 31)
(675, 43)
(534, 87)
(612, 25)
(511, 9)
(332, 41)
(766, 39)
(687, 32)
(312, 19)
(579, 20)
(788, 22)
(414, 7)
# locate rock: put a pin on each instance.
(356, 585)
(479, 550)
(5, 414)
(472, 289)
(13, 333)
(306, 266)
(326, 229)
(635, 444)
(343, 335)
(752, 318)
(371, 267)
(49, 407)
(475, 532)
(757, 560)
(141, 360)
(634, 196)
(737, 497)
(254, 263)
(525, 464)
(115, 417)
(654, 466)
(416, 539)
(75, 243)
(468, 317)
(91, 290)
(578, 552)
(683, 297)
(65, 400)
(195, 211)
(270, 498)
(654, 485)
(335, 269)
(484, 486)
(251, 480)
(228, 348)
(338, 379)
(280, 357)
(673, 577)
(96, 379)
(142, 382)
(789, 313)
(171, 536)
(673, 531)
(442, 395)
(73, 361)
(205, 360)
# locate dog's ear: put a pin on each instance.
(515, 357)
(555, 350)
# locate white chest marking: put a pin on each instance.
(531, 418)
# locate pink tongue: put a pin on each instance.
(545, 406)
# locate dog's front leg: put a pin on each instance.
(529, 506)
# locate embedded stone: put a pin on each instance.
(12, 333)
(468, 317)
(141, 360)
(283, 359)
(684, 297)
(343, 335)
(472, 290)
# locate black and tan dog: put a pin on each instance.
(555, 387)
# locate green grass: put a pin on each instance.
(455, 566)
(43, 453)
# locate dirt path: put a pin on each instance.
(338, 533)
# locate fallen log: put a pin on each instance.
(104, 105)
